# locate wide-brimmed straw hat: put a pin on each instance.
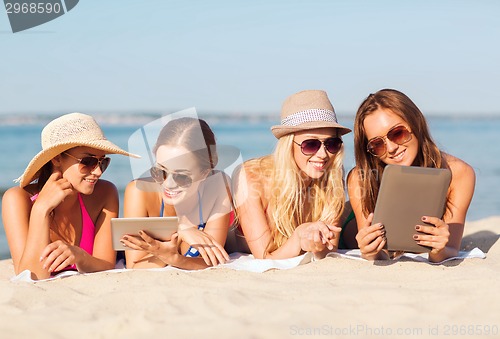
(307, 110)
(63, 133)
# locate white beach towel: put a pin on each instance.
(422, 257)
(238, 261)
(246, 262)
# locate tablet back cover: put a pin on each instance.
(160, 228)
(406, 194)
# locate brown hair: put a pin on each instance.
(45, 173)
(370, 167)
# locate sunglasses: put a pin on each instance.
(312, 146)
(398, 135)
(160, 175)
(90, 163)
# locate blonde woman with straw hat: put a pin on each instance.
(58, 218)
(291, 201)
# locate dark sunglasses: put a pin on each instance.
(312, 146)
(90, 163)
(398, 135)
(160, 175)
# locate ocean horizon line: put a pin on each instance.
(140, 117)
(125, 118)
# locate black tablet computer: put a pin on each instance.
(406, 194)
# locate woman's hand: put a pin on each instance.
(163, 250)
(55, 190)
(210, 250)
(436, 236)
(371, 239)
(58, 255)
(316, 236)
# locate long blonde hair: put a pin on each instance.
(291, 201)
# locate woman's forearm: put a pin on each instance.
(445, 253)
(37, 239)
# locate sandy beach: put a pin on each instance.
(333, 297)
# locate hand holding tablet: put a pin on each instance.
(160, 228)
(407, 194)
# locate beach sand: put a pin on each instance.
(334, 297)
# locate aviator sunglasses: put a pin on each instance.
(398, 135)
(311, 146)
(90, 163)
(160, 175)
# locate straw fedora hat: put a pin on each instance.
(307, 110)
(61, 134)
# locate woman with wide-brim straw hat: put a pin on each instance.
(59, 216)
(291, 201)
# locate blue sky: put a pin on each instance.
(248, 56)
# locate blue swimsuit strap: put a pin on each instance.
(202, 224)
(191, 252)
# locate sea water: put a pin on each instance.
(475, 140)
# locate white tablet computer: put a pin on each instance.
(160, 228)
(406, 194)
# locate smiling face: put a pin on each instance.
(82, 178)
(180, 165)
(315, 165)
(378, 124)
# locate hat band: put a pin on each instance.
(310, 115)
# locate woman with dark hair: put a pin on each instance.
(59, 217)
(390, 129)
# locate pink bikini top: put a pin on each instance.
(88, 229)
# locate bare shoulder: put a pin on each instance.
(463, 182)
(104, 196)
(142, 186)
(16, 207)
(15, 194)
(104, 187)
(258, 170)
(353, 177)
(141, 192)
(132, 185)
(218, 183)
(460, 169)
(253, 180)
(218, 177)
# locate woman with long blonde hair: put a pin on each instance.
(291, 201)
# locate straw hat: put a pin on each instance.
(61, 134)
(307, 110)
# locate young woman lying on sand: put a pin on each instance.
(290, 202)
(390, 129)
(62, 221)
(183, 183)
